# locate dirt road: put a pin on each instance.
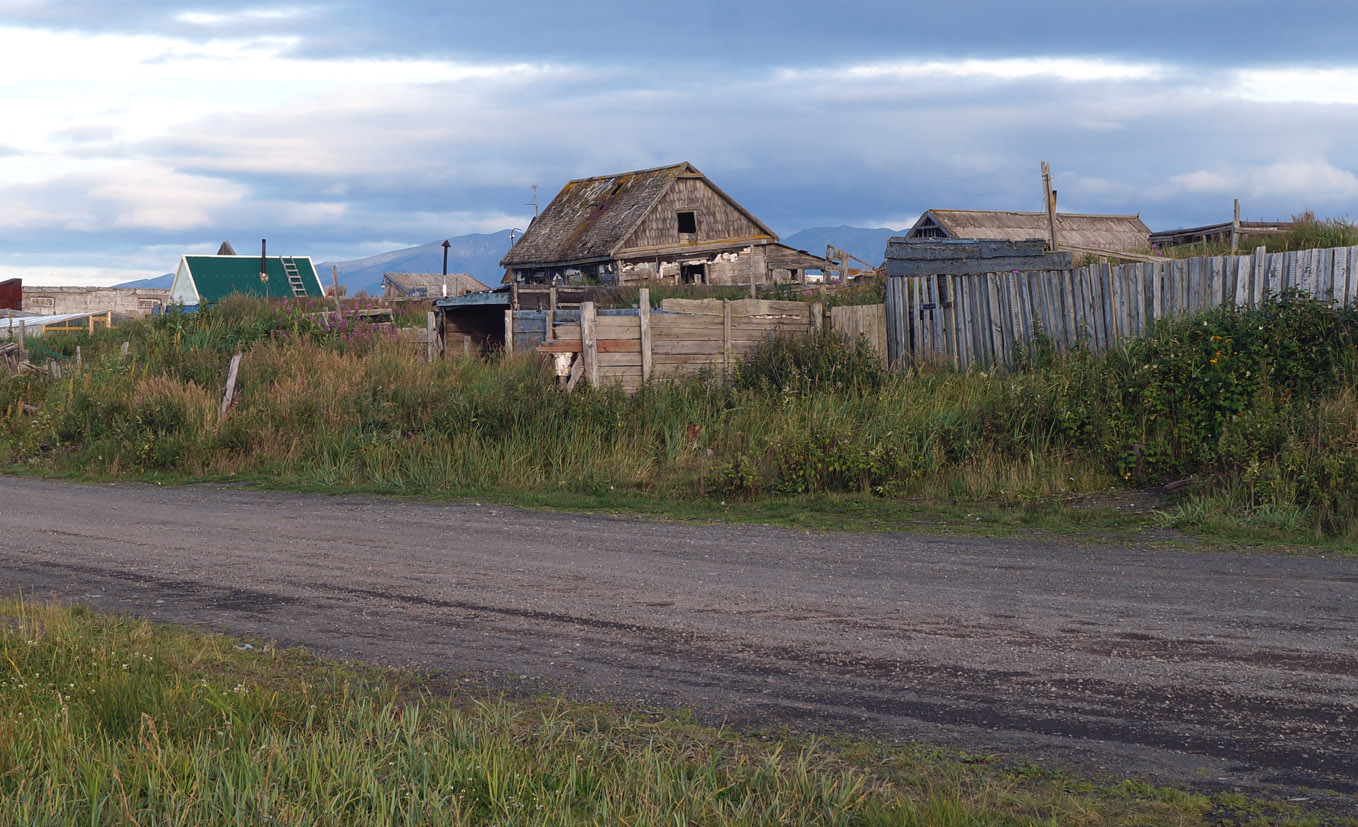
(1211, 669)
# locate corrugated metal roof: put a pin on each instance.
(216, 277)
(1105, 232)
(10, 326)
(43, 321)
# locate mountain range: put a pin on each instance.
(479, 255)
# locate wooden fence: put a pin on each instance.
(990, 318)
(865, 321)
(630, 346)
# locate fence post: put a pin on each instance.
(589, 344)
(644, 315)
(725, 335)
(230, 395)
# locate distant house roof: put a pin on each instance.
(592, 217)
(1193, 235)
(209, 279)
(1104, 232)
(431, 284)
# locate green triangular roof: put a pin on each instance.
(209, 279)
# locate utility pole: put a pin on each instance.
(1049, 196)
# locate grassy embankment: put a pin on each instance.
(1307, 233)
(1260, 407)
(114, 721)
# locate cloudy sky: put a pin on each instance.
(139, 130)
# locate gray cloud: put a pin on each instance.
(1203, 33)
(797, 140)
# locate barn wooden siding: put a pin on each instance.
(628, 347)
(718, 219)
(987, 319)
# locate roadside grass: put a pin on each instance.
(1259, 407)
(110, 720)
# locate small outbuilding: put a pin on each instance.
(27, 325)
(429, 285)
(206, 280)
(1075, 231)
(131, 301)
(664, 224)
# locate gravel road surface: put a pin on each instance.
(1215, 670)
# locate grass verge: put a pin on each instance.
(108, 720)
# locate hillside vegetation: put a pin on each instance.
(1259, 407)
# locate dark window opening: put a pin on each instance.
(693, 273)
(929, 229)
(688, 222)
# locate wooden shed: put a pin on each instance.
(429, 285)
(664, 224)
(206, 280)
(1102, 232)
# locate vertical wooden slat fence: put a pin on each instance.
(867, 322)
(989, 319)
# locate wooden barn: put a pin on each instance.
(665, 224)
(1075, 231)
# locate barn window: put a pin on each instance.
(148, 304)
(41, 301)
(928, 228)
(693, 273)
(688, 222)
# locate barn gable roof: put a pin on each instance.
(591, 218)
(1105, 232)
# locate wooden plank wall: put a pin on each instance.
(988, 319)
(867, 321)
(685, 335)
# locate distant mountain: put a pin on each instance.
(166, 281)
(478, 255)
(867, 244)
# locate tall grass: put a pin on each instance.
(1260, 405)
(1308, 232)
(113, 721)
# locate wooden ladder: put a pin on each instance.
(294, 276)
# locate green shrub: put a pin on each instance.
(810, 364)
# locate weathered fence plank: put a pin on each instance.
(990, 318)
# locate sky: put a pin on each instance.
(137, 131)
